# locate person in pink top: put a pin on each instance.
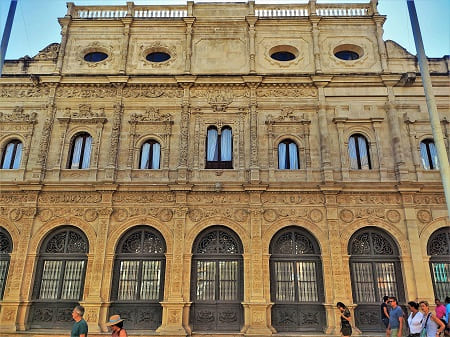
(440, 309)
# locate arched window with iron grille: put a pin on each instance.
(375, 272)
(59, 279)
(6, 247)
(438, 249)
(296, 281)
(12, 155)
(138, 278)
(217, 281)
(80, 151)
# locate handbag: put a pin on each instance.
(423, 333)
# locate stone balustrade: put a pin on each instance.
(180, 11)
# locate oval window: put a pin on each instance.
(95, 56)
(157, 56)
(283, 56)
(347, 55)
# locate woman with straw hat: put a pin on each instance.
(116, 324)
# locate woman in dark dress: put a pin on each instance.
(346, 327)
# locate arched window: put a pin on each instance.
(219, 148)
(288, 155)
(59, 280)
(358, 151)
(375, 272)
(6, 247)
(12, 155)
(150, 155)
(80, 151)
(296, 281)
(138, 280)
(217, 281)
(438, 249)
(428, 154)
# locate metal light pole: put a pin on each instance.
(7, 33)
(431, 104)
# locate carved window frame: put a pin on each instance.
(299, 128)
(6, 245)
(438, 249)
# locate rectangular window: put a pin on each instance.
(71, 289)
(441, 278)
(284, 273)
(206, 279)
(363, 282)
(228, 280)
(150, 280)
(51, 274)
(386, 280)
(128, 280)
(307, 282)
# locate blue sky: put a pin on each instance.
(36, 26)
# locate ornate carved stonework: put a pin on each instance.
(18, 116)
(368, 199)
(286, 90)
(23, 91)
(197, 214)
(292, 198)
(427, 199)
(86, 91)
(70, 197)
(147, 198)
(424, 216)
(217, 198)
(151, 91)
(151, 115)
(49, 53)
(163, 214)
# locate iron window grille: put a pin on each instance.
(438, 248)
(6, 247)
(217, 281)
(138, 280)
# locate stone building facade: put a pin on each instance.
(221, 169)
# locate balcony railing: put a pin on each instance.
(263, 11)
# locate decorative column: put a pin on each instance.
(95, 303)
(416, 273)
(379, 20)
(337, 280)
(413, 146)
(184, 134)
(65, 23)
(174, 305)
(324, 137)
(257, 309)
(251, 20)
(189, 21)
(126, 39)
(343, 145)
(15, 304)
(253, 82)
(401, 172)
(376, 123)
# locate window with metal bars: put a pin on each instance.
(428, 155)
(139, 266)
(12, 154)
(358, 151)
(150, 155)
(62, 265)
(296, 269)
(438, 248)
(219, 148)
(6, 246)
(374, 266)
(80, 151)
(288, 155)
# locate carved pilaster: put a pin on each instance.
(379, 20)
(251, 20)
(65, 23)
(189, 22)
(253, 84)
(125, 44)
(316, 47)
(115, 136)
